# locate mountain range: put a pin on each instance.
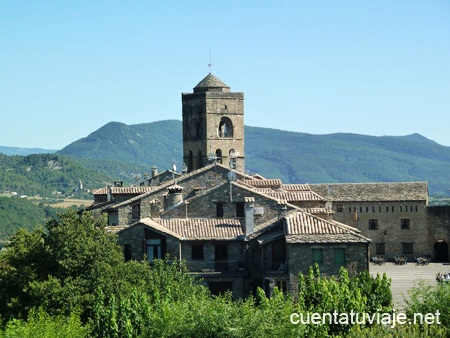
(291, 156)
(126, 152)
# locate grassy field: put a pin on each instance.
(69, 202)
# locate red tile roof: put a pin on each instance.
(198, 228)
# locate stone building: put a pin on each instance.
(394, 215)
(213, 125)
(236, 231)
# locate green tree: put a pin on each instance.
(60, 268)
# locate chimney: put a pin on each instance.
(174, 196)
(282, 209)
(249, 215)
(155, 210)
(154, 171)
(109, 192)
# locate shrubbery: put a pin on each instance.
(70, 280)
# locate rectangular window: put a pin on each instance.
(219, 209)
(405, 223)
(221, 257)
(380, 248)
(317, 256)
(154, 249)
(281, 285)
(407, 248)
(240, 209)
(373, 224)
(127, 252)
(136, 211)
(339, 256)
(197, 251)
(339, 208)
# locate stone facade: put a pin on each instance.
(213, 124)
(395, 216)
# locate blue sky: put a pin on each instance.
(366, 67)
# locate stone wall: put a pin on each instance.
(438, 219)
(388, 216)
(300, 258)
(235, 255)
(135, 237)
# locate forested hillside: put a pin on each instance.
(48, 175)
(16, 212)
(293, 157)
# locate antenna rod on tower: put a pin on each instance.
(210, 63)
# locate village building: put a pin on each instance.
(238, 231)
(235, 231)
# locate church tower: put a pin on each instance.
(213, 125)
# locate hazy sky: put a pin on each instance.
(367, 67)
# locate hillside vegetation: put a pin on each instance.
(48, 175)
(16, 213)
(293, 157)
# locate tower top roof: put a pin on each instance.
(211, 83)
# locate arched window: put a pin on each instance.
(232, 155)
(219, 156)
(225, 127)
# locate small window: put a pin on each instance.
(219, 209)
(127, 252)
(339, 256)
(373, 224)
(240, 209)
(350, 210)
(405, 223)
(136, 211)
(317, 256)
(197, 251)
(380, 248)
(339, 208)
(407, 248)
(281, 285)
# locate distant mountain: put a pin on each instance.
(24, 151)
(156, 143)
(293, 157)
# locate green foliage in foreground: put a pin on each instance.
(42, 325)
(72, 281)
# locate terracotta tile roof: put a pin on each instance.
(198, 228)
(387, 191)
(302, 227)
(318, 211)
(270, 183)
(124, 190)
(296, 187)
(297, 196)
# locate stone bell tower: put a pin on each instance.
(213, 125)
